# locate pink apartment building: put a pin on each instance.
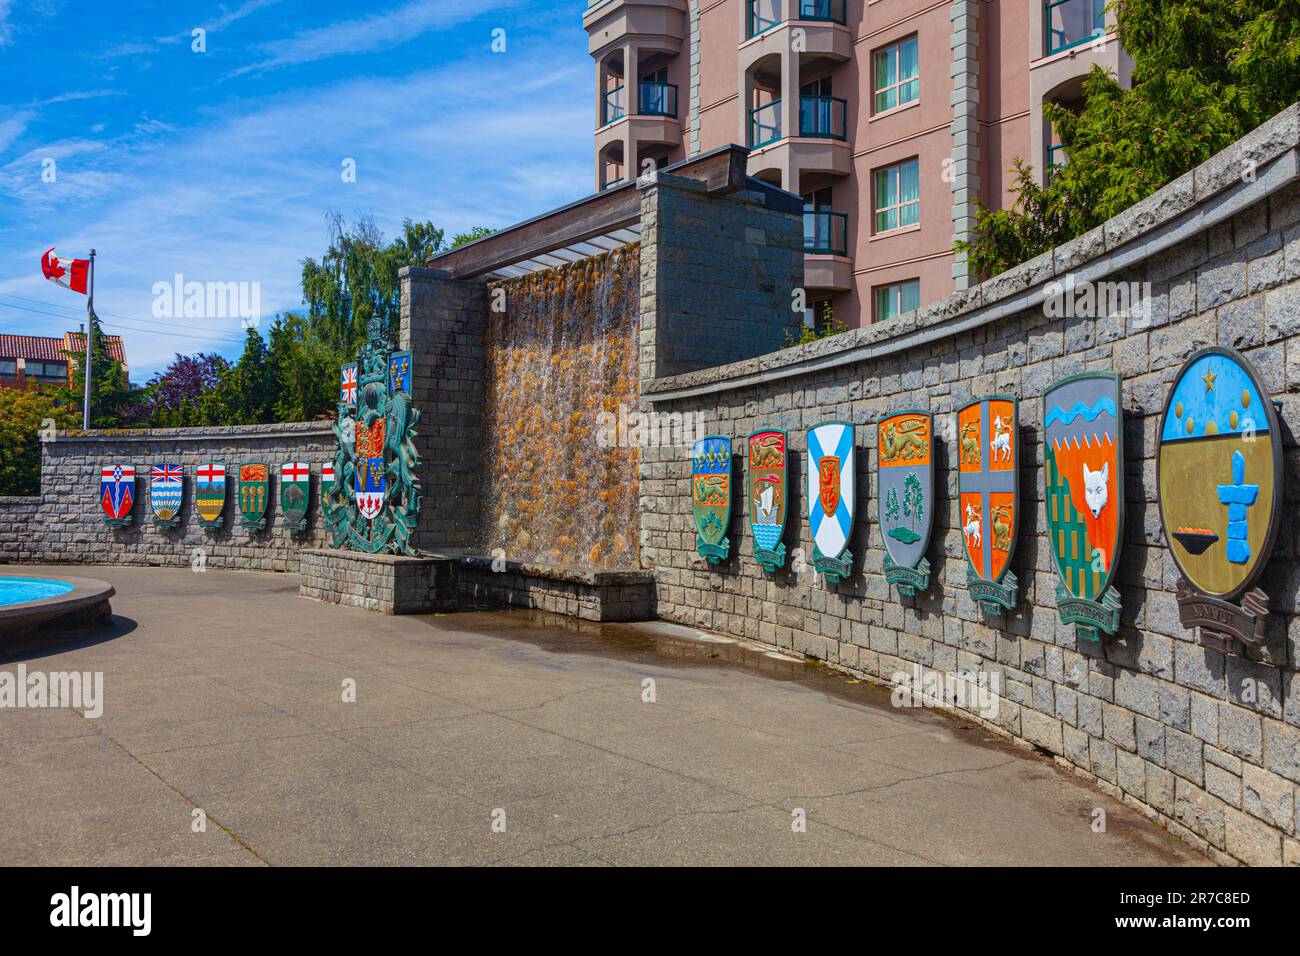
(889, 117)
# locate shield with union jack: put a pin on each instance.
(210, 493)
(348, 384)
(166, 491)
(117, 493)
(295, 494)
(832, 503)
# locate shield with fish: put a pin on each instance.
(1083, 485)
(766, 487)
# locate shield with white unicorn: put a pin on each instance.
(832, 501)
(988, 491)
(711, 496)
(767, 497)
(905, 491)
(1083, 479)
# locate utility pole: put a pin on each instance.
(90, 330)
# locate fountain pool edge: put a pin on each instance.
(86, 603)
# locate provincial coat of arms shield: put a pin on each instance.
(295, 494)
(832, 500)
(1219, 472)
(254, 495)
(117, 494)
(166, 491)
(210, 493)
(371, 480)
(399, 372)
(988, 493)
(767, 497)
(905, 490)
(711, 496)
(1083, 478)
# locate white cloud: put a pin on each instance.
(243, 195)
(369, 33)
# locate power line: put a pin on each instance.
(101, 314)
(232, 338)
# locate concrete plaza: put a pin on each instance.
(224, 691)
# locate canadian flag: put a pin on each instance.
(69, 273)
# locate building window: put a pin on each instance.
(8, 368)
(898, 196)
(895, 299)
(48, 371)
(1071, 22)
(897, 77)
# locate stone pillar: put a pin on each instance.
(717, 273)
(443, 323)
(964, 128)
(632, 97)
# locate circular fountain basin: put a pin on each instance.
(29, 601)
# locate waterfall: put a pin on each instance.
(562, 352)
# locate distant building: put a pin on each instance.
(891, 118)
(31, 360)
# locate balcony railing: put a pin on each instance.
(822, 116)
(1056, 159)
(825, 233)
(765, 124)
(1072, 22)
(657, 99)
(763, 15)
(613, 108)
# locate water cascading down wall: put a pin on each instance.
(561, 352)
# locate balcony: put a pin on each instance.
(820, 117)
(825, 233)
(657, 99)
(1070, 23)
(764, 15)
(765, 125)
(826, 264)
(613, 22)
(613, 106)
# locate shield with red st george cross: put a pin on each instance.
(295, 493)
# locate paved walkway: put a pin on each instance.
(223, 691)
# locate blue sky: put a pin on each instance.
(222, 165)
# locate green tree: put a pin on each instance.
(891, 505)
(24, 415)
(304, 369)
(474, 234)
(913, 499)
(111, 400)
(1206, 72)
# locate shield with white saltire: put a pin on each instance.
(767, 497)
(295, 494)
(370, 478)
(117, 493)
(905, 492)
(1083, 479)
(166, 491)
(711, 496)
(399, 373)
(210, 493)
(988, 493)
(254, 494)
(832, 500)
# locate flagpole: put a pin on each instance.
(90, 330)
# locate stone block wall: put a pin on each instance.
(1205, 742)
(587, 595)
(443, 325)
(387, 583)
(66, 524)
(717, 273)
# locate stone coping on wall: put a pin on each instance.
(1255, 166)
(199, 432)
(554, 572)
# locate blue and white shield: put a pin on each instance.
(399, 373)
(832, 501)
(371, 483)
(166, 490)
